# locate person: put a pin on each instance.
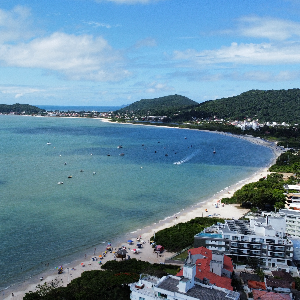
(12, 294)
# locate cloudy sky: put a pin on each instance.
(114, 52)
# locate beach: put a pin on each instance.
(74, 269)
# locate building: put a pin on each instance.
(292, 219)
(212, 267)
(261, 238)
(179, 288)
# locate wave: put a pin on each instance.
(187, 158)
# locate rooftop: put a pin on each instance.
(203, 268)
(198, 292)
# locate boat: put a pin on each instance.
(70, 176)
(121, 154)
(48, 143)
(214, 151)
(60, 182)
(120, 146)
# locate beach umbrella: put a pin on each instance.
(130, 241)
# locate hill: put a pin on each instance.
(159, 106)
(20, 109)
(271, 105)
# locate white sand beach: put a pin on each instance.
(146, 253)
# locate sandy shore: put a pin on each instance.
(146, 253)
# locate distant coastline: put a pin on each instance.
(65, 108)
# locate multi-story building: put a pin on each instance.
(262, 238)
(292, 219)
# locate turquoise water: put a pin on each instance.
(45, 222)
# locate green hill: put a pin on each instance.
(159, 106)
(270, 105)
(20, 109)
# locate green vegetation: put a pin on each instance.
(159, 106)
(297, 283)
(18, 108)
(266, 106)
(270, 105)
(288, 162)
(180, 236)
(139, 267)
(112, 283)
(266, 194)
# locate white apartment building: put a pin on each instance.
(262, 238)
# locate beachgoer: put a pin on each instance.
(12, 294)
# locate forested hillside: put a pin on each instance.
(266, 106)
(159, 106)
(19, 109)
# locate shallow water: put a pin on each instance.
(163, 170)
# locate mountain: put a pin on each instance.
(270, 105)
(20, 109)
(159, 106)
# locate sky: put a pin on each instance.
(116, 52)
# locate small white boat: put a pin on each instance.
(60, 182)
(48, 143)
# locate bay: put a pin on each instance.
(163, 170)
(79, 108)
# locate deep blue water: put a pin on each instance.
(44, 222)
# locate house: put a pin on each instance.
(280, 282)
(211, 267)
(184, 287)
(264, 295)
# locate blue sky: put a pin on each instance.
(114, 52)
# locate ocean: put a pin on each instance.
(161, 171)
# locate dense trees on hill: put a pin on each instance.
(159, 106)
(20, 109)
(266, 106)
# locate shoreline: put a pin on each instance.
(74, 268)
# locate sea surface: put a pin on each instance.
(79, 108)
(44, 224)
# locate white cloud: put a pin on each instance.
(19, 91)
(271, 28)
(97, 24)
(15, 24)
(251, 54)
(155, 87)
(77, 57)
